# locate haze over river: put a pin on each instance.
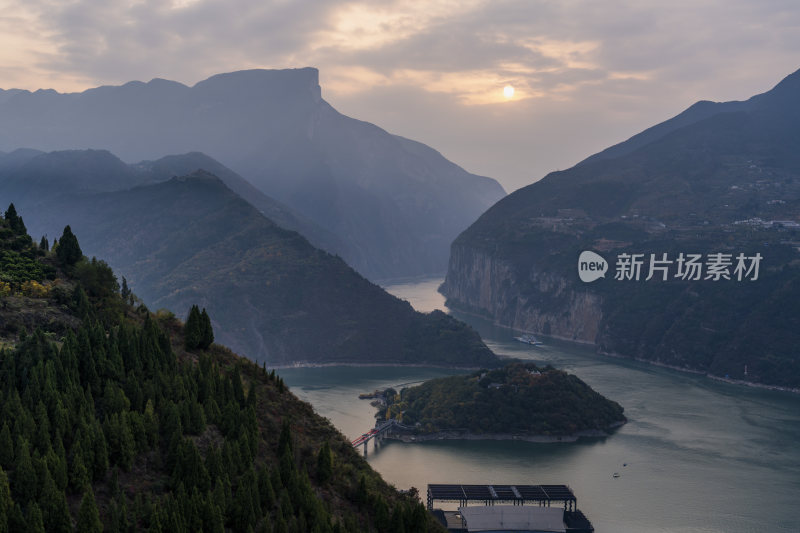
(701, 455)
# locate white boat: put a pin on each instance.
(529, 339)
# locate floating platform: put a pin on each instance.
(531, 506)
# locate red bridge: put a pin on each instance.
(377, 432)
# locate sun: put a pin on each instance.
(508, 92)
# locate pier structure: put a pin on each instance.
(542, 495)
(509, 508)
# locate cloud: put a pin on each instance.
(587, 74)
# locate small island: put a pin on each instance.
(519, 401)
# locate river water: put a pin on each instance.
(701, 455)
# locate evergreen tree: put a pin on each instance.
(193, 330)
(16, 519)
(88, 515)
(68, 251)
(285, 438)
(24, 474)
(6, 503)
(396, 524)
(15, 221)
(34, 519)
(324, 463)
(265, 489)
(125, 291)
(78, 473)
(6, 448)
(54, 507)
(382, 517)
(206, 331)
(361, 491)
(44, 244)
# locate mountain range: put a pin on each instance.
(193, 240)
(720, 178)
(391, 206)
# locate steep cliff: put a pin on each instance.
(490, 286)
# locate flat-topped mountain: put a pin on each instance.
(396, 203)
(719, 178)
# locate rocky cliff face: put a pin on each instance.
(478, 282)
(718, 181)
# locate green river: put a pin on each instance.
(696, 455)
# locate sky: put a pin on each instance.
(586, 74)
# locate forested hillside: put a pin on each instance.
(112, 420)
(519, 399)
(180, 241)
(717, 182)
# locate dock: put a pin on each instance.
(515, 507)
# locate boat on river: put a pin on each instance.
(528, 339)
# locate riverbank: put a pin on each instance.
(466, 435)
(306, 364)
(739, 382)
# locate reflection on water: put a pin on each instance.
(702, 456)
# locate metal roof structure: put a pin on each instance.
(542, 495)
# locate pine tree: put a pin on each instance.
(324, 463)
(265, 489)
(34, 519)
(44, 244)
(192, 331)
(55, 510)
(6, 448)
(24, 474)
(78, 473)
(68, 251)
(125, 292)
(16, 519)
(88, 515)
(382, 517)
(396, 523)
(362, 496)
(285, 438)
(6, 503)
(15, 221)
(206, 331)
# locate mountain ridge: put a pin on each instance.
(728, 182)
(698, 111)
(394, 205)
(274, 296)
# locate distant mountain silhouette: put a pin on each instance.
(192, 239)
(718, 178)
(35, 180)
(396, 203)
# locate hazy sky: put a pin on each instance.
(587, 74)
